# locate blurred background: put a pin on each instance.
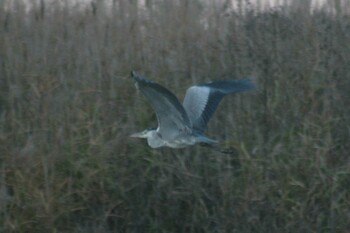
(68, 105)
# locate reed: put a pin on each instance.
(67, 106)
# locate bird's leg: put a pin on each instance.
(216, 147)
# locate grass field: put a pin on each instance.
(68, 105)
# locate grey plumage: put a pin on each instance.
(183, 125)
(201, 101)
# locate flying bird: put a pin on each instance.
(182, 125)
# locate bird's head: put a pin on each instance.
(143, 134)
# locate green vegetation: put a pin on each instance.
(67, 106)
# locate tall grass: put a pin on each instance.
(67, 106)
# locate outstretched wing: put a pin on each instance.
(172, 117)
(201, 101)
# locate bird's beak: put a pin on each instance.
(138, 135)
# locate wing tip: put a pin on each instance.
(248, 84)
(138, 78)
(230, 86)
(135, 76)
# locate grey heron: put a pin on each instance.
(181, 125)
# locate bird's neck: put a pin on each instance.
(154, 140)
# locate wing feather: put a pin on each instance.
(172, 117)
(201, 101)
